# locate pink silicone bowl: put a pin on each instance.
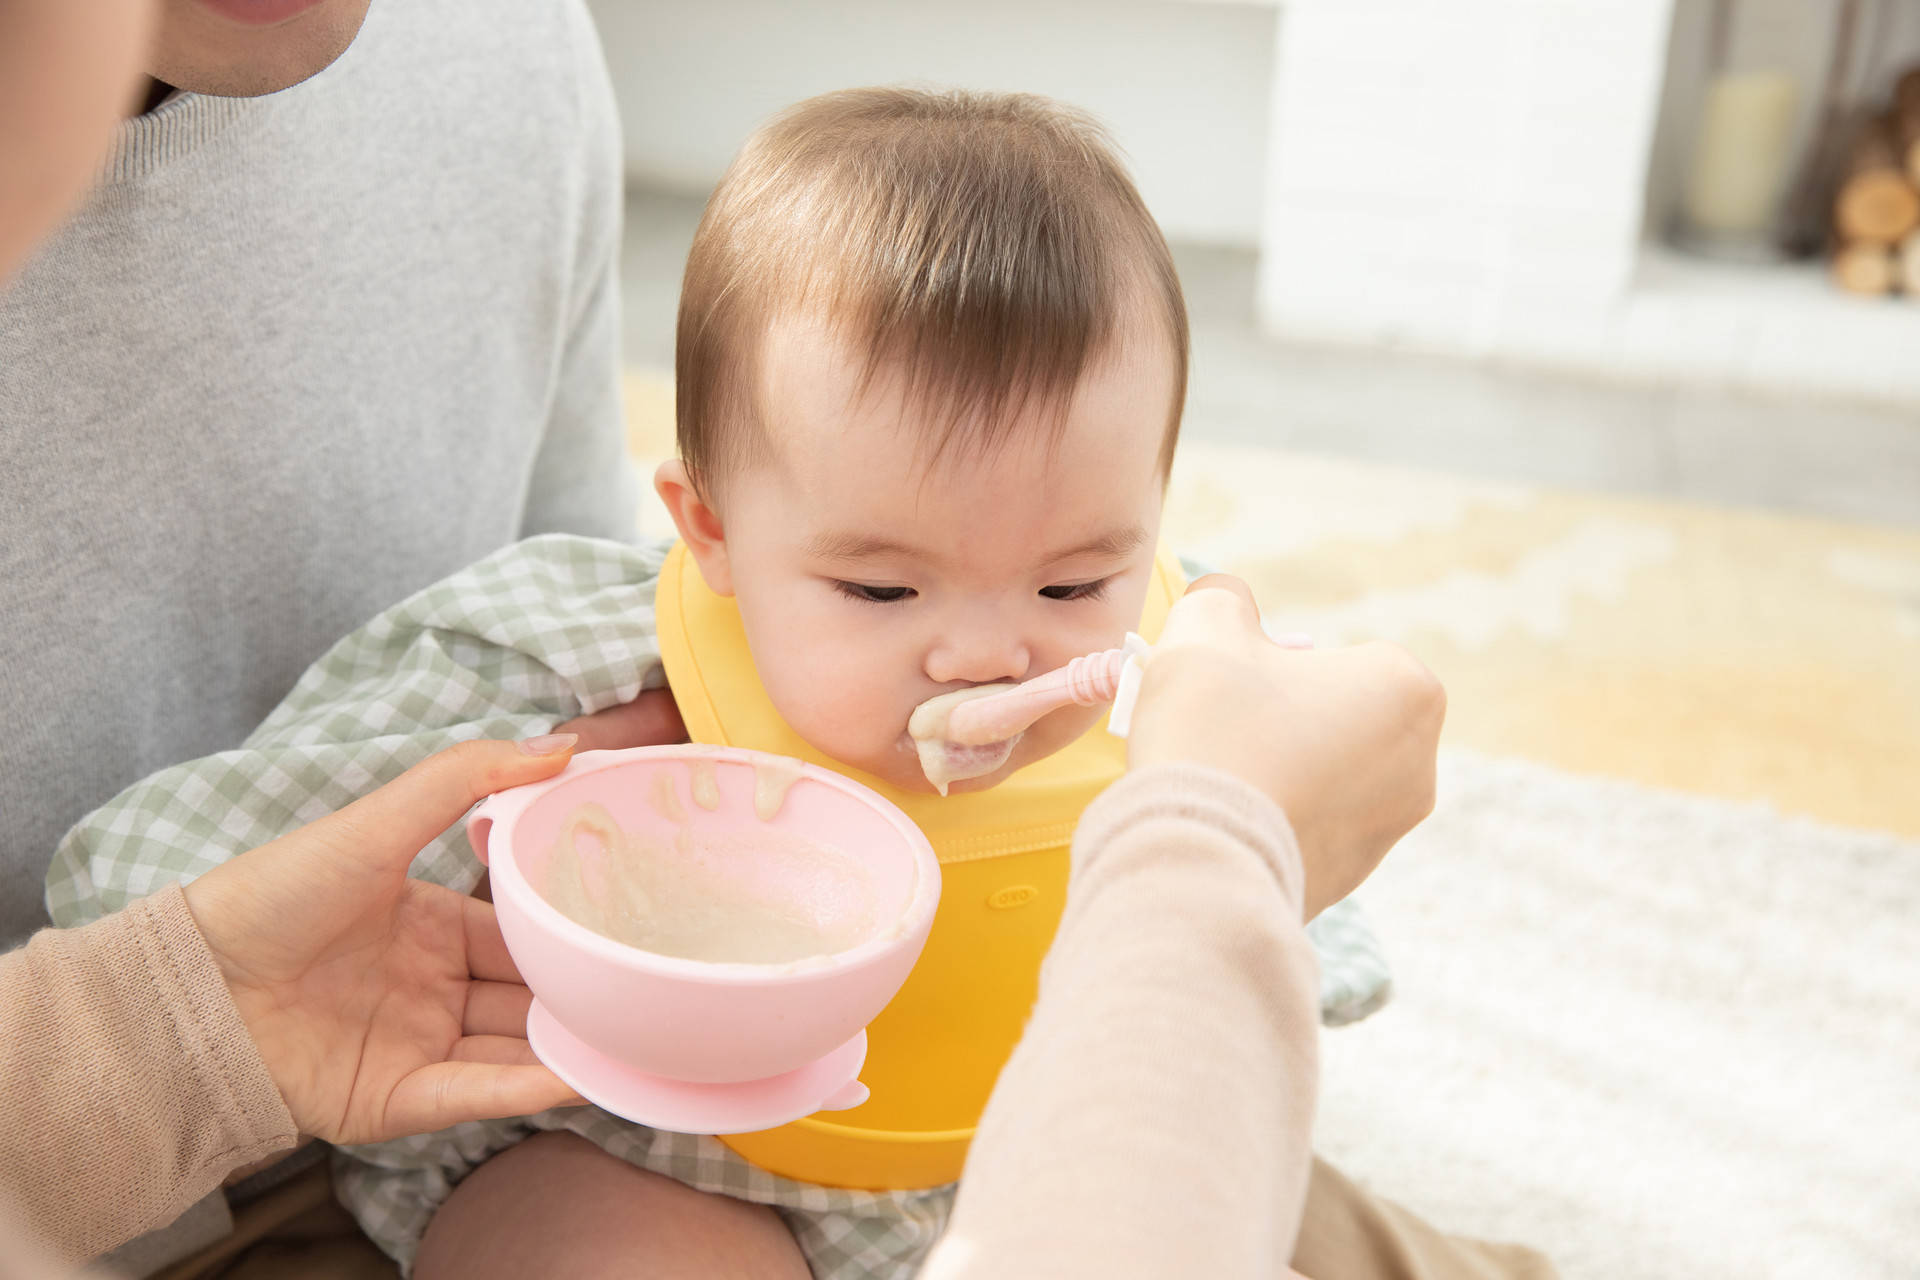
(687, 1019)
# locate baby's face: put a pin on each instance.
(871, 579)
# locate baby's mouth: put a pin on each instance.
(946, 762)
(951, 762)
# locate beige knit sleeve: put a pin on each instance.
(1155, 1119)
(128, 1084)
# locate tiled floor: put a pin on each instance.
(1843, 461)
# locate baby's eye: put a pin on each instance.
(1077, 590)
(873, 595)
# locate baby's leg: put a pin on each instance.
(556, 1205)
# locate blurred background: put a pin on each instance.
(1574, 344)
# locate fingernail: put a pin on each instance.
(549, 744)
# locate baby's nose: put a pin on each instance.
(978, 657)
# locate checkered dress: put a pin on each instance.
(540, 632)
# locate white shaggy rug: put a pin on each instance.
(1654, 1035)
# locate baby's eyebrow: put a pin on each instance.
(847, 545)
(843, 545)
(1113, 544)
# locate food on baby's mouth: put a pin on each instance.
(698, 896)
(946, 762)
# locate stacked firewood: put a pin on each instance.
(1876, 212)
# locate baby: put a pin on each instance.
(932, 358)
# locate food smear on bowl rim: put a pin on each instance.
(706, 786)
(765, 896)
(666, 801)
(772, 779)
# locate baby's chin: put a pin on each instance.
(899, 764)
(985, 782)
(917, 781)
(903, 770)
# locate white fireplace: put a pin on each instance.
(1496, 178)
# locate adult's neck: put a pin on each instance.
(156, 93)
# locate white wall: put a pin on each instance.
(1183, 85)
(1467, 176)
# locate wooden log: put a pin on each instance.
(1876, 205)
(1866, 269)
(1910, 265)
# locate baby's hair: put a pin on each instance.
(989, 246)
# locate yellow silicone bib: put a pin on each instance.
(935, 1052)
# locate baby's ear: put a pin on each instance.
(698, 523)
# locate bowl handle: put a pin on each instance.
(479, 824)
(505, 806)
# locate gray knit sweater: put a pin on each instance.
(298, 357)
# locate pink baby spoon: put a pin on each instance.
(1112, 675)
(1085, 682)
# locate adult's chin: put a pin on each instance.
(247, 48)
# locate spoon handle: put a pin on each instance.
(1087, 681)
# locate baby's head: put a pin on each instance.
(932, 357)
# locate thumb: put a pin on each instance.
(1215, 608)
(402, 816)
(1224, 582)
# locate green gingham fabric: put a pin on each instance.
(538, 633)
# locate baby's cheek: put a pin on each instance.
(1091, 627)
(861, 717)
(836, 703)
